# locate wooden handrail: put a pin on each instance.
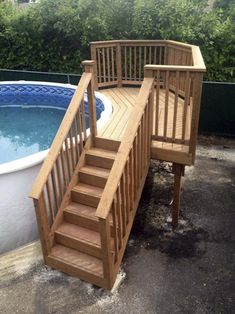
(175, 68)
(60, 136)
(124, 150)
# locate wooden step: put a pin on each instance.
(86, 194)
(79, 238)
(92, 175)
(106, 143)
(77, 264)
(99, 157)
(83, 216)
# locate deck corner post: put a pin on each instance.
(196, 97)
(105, 238)
(118, 64)
(89, 68)
(93, 57)
(178, 171)
(43, 227)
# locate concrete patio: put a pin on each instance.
(190, 270)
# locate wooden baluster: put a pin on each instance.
(142, 145)
(79, 122)
(51, 208)
(123, 203)
(155, 55)
(83, 115)
(157, 102)
(145, 55)
(69, 166)
(104, 64)
(75, 129)
(150, 55)
(125, 62)
(160, 55)
(108, 63)
(71, 149)
(115, 229)
(112, 58)
(186, 103)
(135, 63)
(166, 104)
(119, 216)
(130, 63)
(54, 186)
(175, 104)
(132, 178)
(128, 192)
(139, 153)
(140, 57)
(65, 173)
(99, 65)
(58, 172)
(135, 166)
(146, 143)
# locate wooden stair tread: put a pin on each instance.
(88, 189)
(96, 171)
(102, 152)
(80, 209)
(80, 260)
(79, 233)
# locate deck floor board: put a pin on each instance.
(123, 100)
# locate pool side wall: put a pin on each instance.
(17, 217)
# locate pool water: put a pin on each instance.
(27, 130)
(30, 115)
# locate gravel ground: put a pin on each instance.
(190, 270)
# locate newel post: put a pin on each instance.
(43, 227)
(119, 65)
(89, 68)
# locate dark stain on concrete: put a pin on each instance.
(152, 227)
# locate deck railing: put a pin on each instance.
(120, 62)
(120, 198)
(49, 189)
(178, 70)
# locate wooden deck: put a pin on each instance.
(88, 189)
(123, 100)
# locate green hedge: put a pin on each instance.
(54, 35)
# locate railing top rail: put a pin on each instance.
(60, 136)
(140, 41)
(124, 150)
(181, 68)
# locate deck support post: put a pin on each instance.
(178, 171)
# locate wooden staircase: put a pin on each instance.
(77, 242)
(88, 189)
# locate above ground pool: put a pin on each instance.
(30, 115)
